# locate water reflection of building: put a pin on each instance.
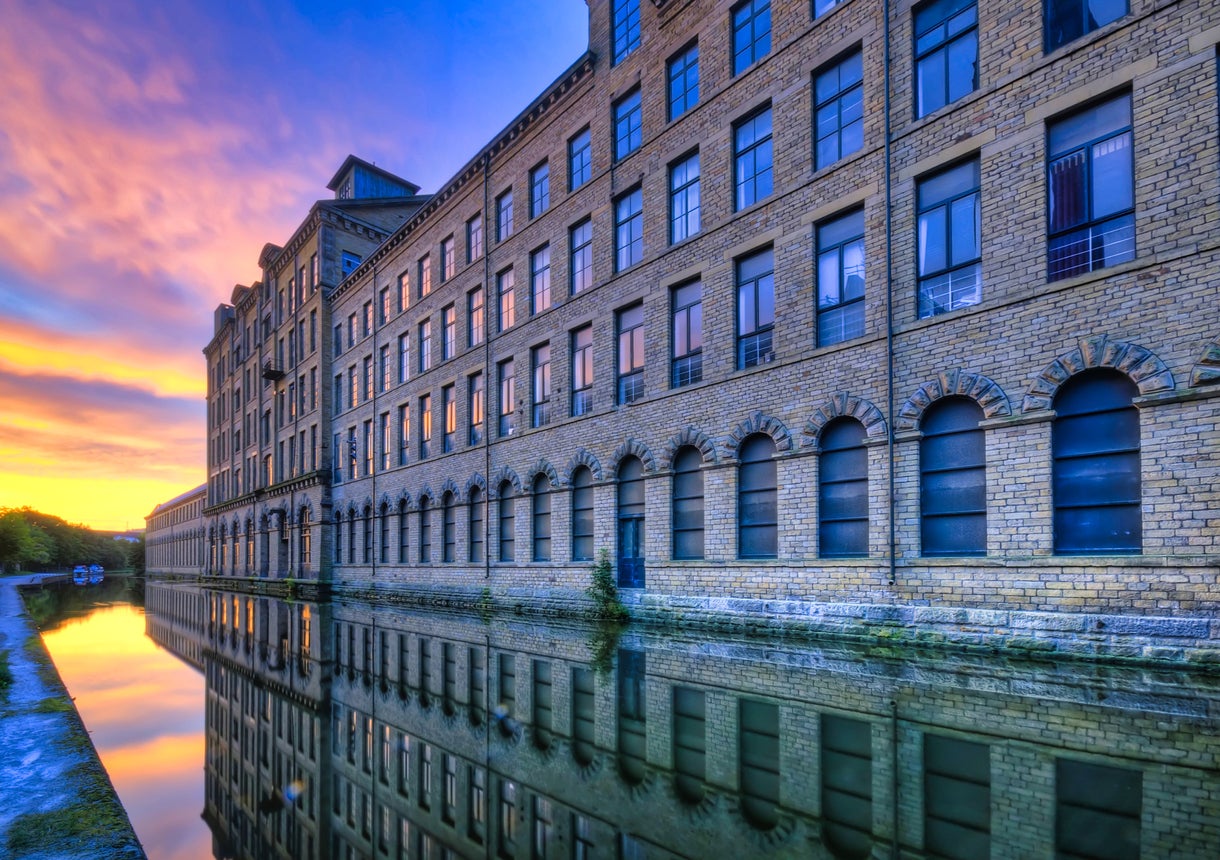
(438, 735)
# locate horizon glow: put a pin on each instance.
(148, 153)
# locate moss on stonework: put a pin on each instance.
(95, 820)
(6, 676)
(54, 705)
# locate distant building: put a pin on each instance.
(706, 306)
(174, 537)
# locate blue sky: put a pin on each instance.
(148, 151)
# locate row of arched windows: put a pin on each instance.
(1095, 478)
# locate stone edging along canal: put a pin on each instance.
(58, 800)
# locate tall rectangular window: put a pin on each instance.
(449, 408)
(582, 370)
(475, 323)
(683, 81)
(474, 238)
(508, 306)
(540, 360)
(404, 357)
(625, 19)
(383, 306)
(687, 362)
(755, 309)
(353, 390)
(1068, 20)
(387, 444)
(946, 53)
(751, 33)
(366, 377)
(448, 332)
(631, 354)
(580, 159)
(841, 278)
(1090, 190)
(540, 279)
(948, 243)
(476, 407)
(404, 295)
(628, 125)
(404, 433)
(684, 198)
(839, 110)
(752, 158)
(540, 189)
(383, 368)
(448, 259)
(504, 215)
(368, 454)
(425, 346)
(507, 384)
(424, 278)
(629, 230)
(425, 425)
(580, 241)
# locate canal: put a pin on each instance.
(287, 728)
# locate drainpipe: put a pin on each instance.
(487, 380)
(374, 543)
(889, 299)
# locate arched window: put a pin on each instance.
(843, 490)
(757, 499)
(541, 524)
(425, 530)
(448, 528)
(338, 537)
(953, 479)
(368, 534)
(351, 536)
(475, 541)
(1095, 443)
(223, 545)
(582, 514)
(507, 522)
(304, 540)
(688, 503)
(383, 529)
(404, 529)
(250, 542)
(631, 523)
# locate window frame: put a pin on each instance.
(582, 367)
(580, 158)
(928, 54)
(630, 354)
(629, 229)
(627, 120)
(686, 327)
(755, 345)
(682, 81)
(683, 188)
(751, 183)
(754, 15)
(846, 97)
(835, 238)
(925, 305)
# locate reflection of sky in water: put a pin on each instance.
(144, 710)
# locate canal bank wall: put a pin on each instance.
(1190, 641)
(58, 800)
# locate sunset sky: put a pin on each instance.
(148, 151)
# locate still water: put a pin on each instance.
(143, 708)
(350, 730)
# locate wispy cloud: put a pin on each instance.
(146, 154)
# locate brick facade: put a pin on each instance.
(1150, 317)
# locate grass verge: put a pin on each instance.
(95, 820)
